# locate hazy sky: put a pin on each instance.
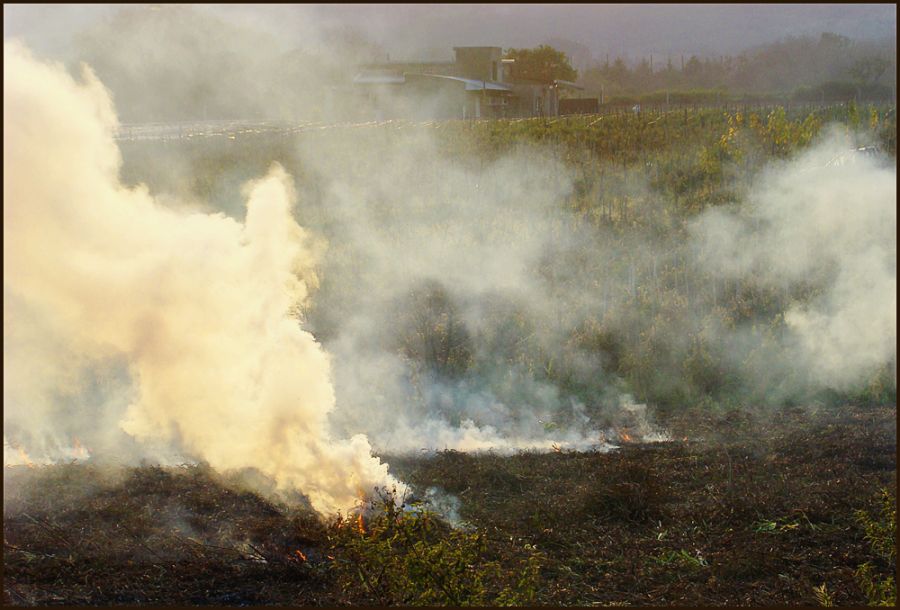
(409, 31)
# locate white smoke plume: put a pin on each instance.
(176, 328)
(824, 224)
(447, 280)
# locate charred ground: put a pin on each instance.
(751, 509)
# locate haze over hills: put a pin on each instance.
(284, 61)
(429, 31)
(614, 29)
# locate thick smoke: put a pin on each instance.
(123, 315)
(214, 68)
(463, 302)
(460, 293)
(449, 283)
(825, 225)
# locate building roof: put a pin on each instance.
(381, 77)
(470, 83)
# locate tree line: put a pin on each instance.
(827, 68)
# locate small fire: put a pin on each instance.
(300, 555)
(360, 524)
(79, 452)
(25, 459)
(625, 436)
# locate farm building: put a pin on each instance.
(474, 85)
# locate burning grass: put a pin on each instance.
(753, 510)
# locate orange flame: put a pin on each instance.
(80, 451)
(300, 554)
(25, 458)
(625, 437)
(360, 524)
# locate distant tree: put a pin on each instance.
(824, 67)
(618, 71)
(578, 54)
(643, 75)
(830, 40)
(543, 63)
(868, 69)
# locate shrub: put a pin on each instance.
(833, 91)
(881, 532)
(411, 557)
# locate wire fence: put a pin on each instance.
(234, 128)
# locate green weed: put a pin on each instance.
(881, 532)
(411, 557)
(682, 558)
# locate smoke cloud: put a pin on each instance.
(455, 299)
(824, 226)
(174, 328)
(447, 282)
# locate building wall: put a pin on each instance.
(481, 63)
(533, 100)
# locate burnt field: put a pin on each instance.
(740, 509)
(358, 340)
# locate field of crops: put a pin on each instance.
(638, 181)
(769, 486)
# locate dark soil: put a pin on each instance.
(749, 510)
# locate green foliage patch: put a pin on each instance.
(412, 557)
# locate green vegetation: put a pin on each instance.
(827, 68)
(542, 64)
(823, 596)
(875, 577)
(411, 557)
(639, 178)
(682, 559)
(881, 532)
(642, 178)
